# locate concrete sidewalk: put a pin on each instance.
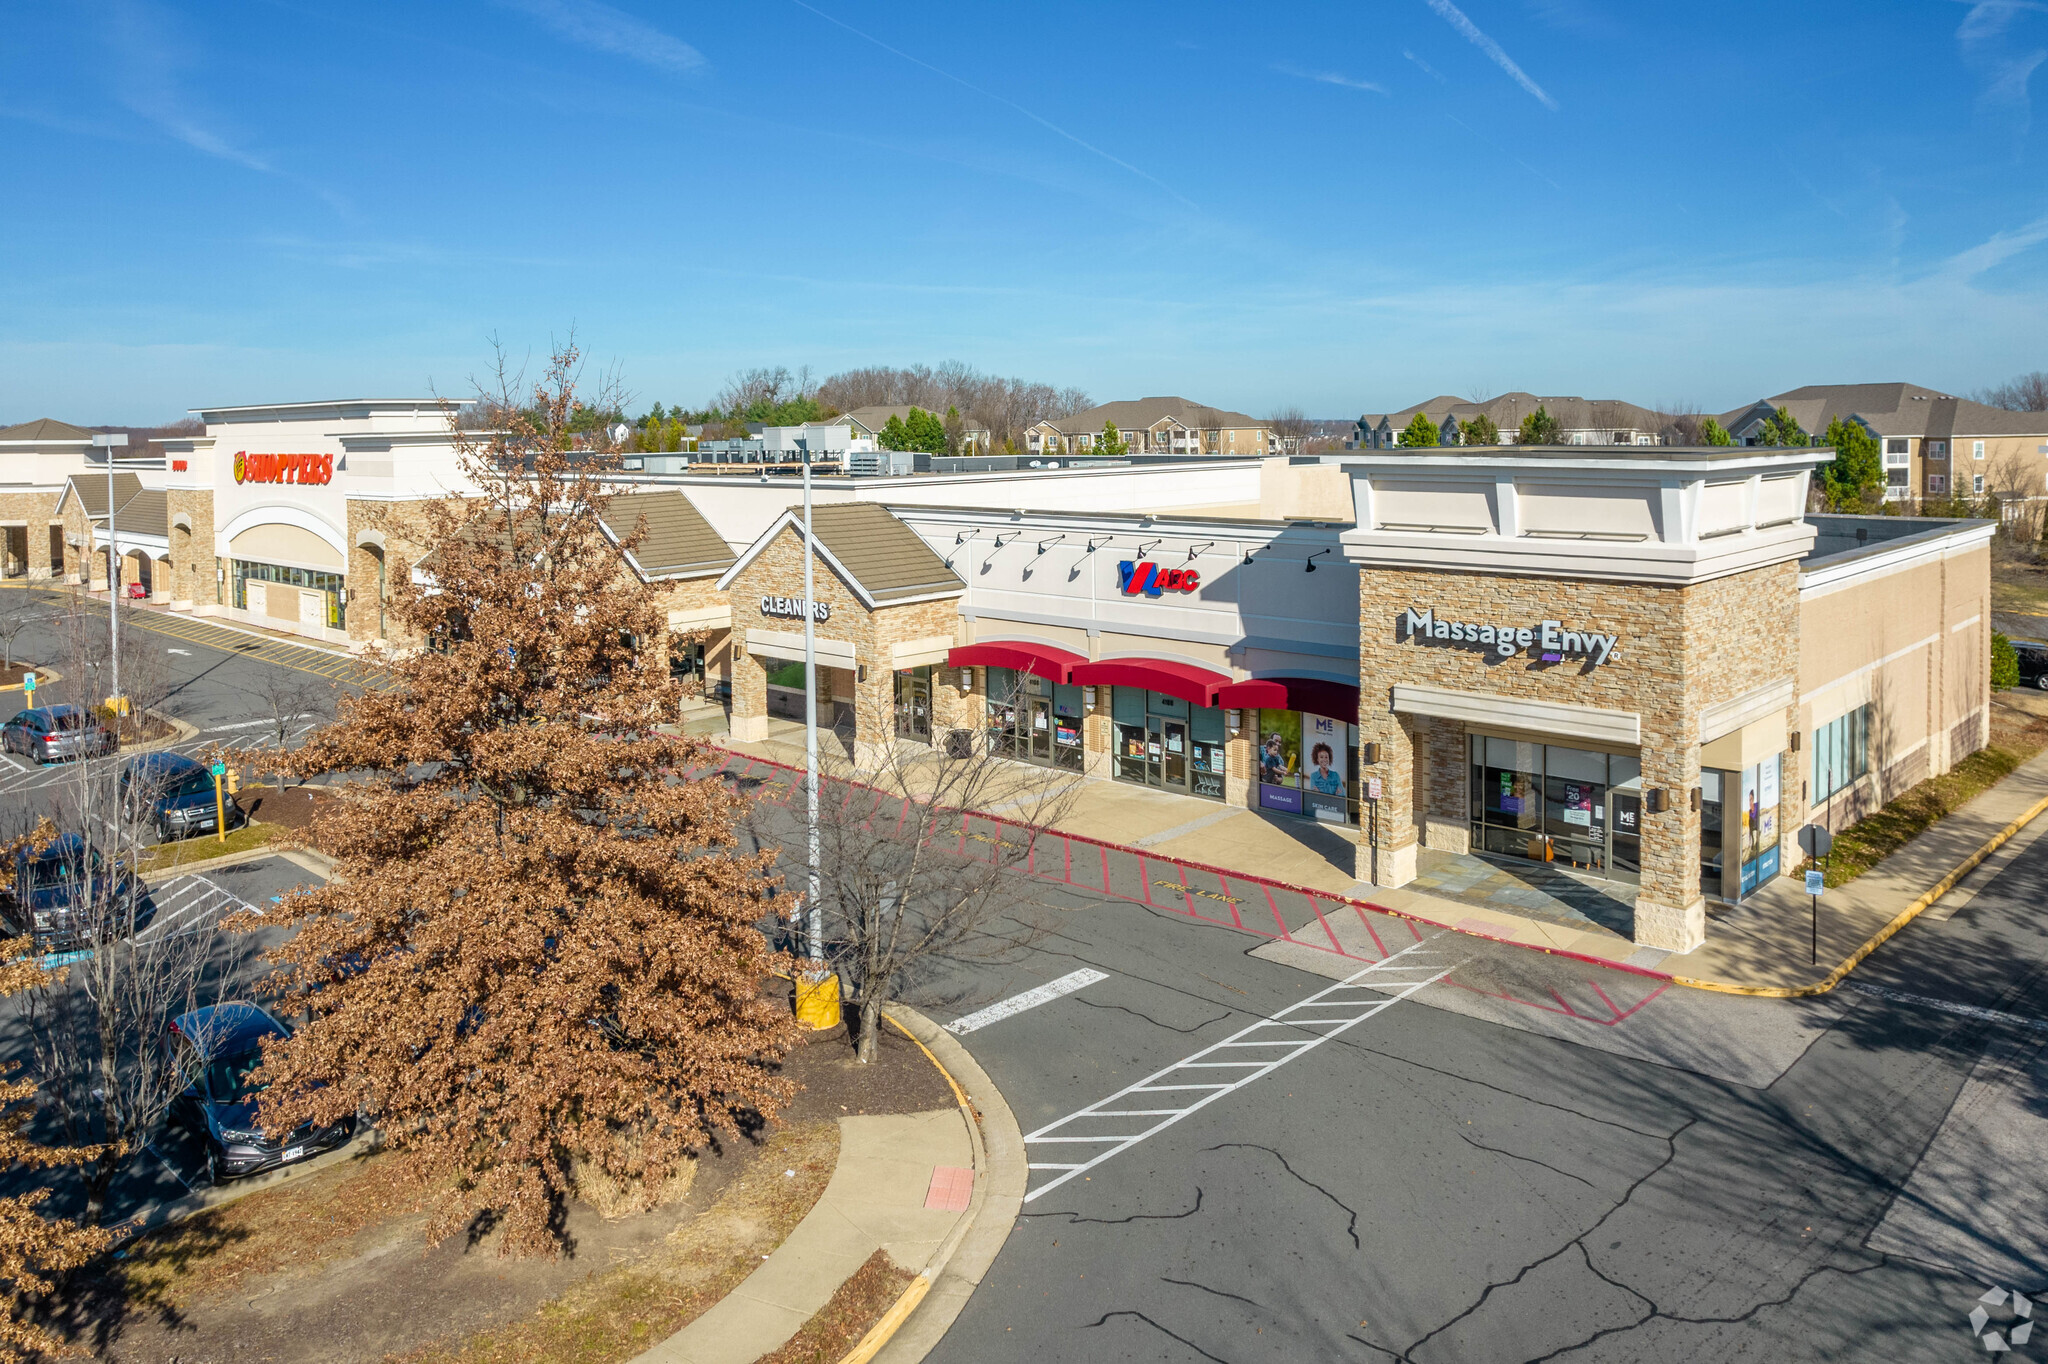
(1762, 947)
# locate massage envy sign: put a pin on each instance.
(1549, 640)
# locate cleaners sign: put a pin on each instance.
(793, 608)
(283, 468)
(1149, 578)
(1547, 641)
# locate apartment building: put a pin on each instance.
(1581, 421)
(1158, 426)
(1935, 444)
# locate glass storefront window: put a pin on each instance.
(1035, 720)
(1554, 803)
(1308, 765)
(1164, 741)
(1712, 787)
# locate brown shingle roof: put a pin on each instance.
(1138, 414)
(45, 428)
(1507, 411)
(1896, 409)
(886, 558)
(91, 492)
(874, 418)
(679, 542)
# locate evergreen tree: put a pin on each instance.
(1856, 469)
(892, 436)
(956, 430)
(1713, 433)
(1780, 429)
(1539, 428)
(1478, 431)
(923, 431)
(1112, 445)
(1419, 431)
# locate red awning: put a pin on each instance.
(1050, 662)
(1197, 686)
(1338, 700)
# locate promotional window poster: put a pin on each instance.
(1280, 760)
(1323, 774)
(1302, 764)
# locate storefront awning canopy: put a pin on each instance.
(1050, 662)
(1337, 700)
(1198, 686)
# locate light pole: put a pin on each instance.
(108, 442)
(816, 933)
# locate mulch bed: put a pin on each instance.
(853, 1311)
(11, 673)
(334, 1267)
(292, 808)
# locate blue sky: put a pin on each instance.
(1345, 207)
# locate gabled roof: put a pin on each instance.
(1507, 411)
(1894, 409)
(45, 429)
(1140, 414)
(880, 558)
(91, 492)
(679, 542)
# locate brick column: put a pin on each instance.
(874, 717)
(749, 698)
(1398, 834)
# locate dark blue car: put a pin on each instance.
(67, 897)
(216, 1049)
(173, 795)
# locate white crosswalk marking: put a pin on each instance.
(186, 904)
(1339, 1008)
(1030, 999)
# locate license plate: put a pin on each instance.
(294, 1152)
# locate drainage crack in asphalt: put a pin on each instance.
(1132, 1312)
(1516, 1155)
(1135, 1013)
(1221, 1293)
(1073, 1219)
(1503, 1091)
(1356, 1244)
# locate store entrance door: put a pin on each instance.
(1625, 832)
(914, 704)
(1038, 738)
(1167, 750)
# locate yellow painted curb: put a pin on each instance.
(959, 1094)
(1904, 917)
(871, 1344)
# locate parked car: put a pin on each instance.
(47, 733)
(174, 795)
(67, 897)
(2033, 663)
(216, 1049)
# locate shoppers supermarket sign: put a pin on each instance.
(262, 468)
(1547, 640)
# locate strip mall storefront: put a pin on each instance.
(1649, 669)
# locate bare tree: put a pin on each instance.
(913, 875)
(287, 702)
(1685, 424)
(2014, 481)
(19, 609)
(1292, 426)
(95, 1031)
(1005, 406)
(2026, 393)
(771, 387)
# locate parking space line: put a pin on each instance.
(1029, 999)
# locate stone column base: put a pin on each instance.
(750, 729)
(1396, 865)
(1673, 930)
(870, 757)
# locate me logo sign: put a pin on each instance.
(1142, 575)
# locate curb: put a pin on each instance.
(156, 1216)
(957, 1266)
(1833, 978)
(44, 676)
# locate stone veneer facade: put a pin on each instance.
(873, 635)
(34, 513)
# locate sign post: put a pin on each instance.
(28, 688)
(1816, 842)
(220, 803)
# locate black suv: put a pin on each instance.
(216, 1048)
(2033, 663)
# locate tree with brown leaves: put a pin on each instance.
(34, 1249)
(540, 944)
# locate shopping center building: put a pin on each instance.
(1645, 666)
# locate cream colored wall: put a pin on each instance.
(1320, 491)
(1913, 644)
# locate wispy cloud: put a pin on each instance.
(1039, 119)
(1427, 69)
(1995, 250)
(1455, 17)
(148, 54)
(1328, 78)
(1990, 48)
(599, 27)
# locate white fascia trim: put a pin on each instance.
(1639, 561)
(789, 647)
(1540, 717)
(334, 405)
(767, 538)
(282, 514)
(1833, 577)
(132, 540)
(185, 444)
